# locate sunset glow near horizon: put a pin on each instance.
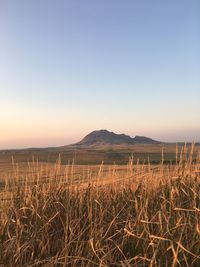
(70, 67)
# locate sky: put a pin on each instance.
(70, 67)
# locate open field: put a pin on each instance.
(118, 154)
(55, 214)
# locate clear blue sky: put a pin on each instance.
(69, 67)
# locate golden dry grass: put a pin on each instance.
(133, 215)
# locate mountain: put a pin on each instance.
(145, 140)
(104, 137)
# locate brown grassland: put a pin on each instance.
(138, 214)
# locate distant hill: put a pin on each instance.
(104, 137)
(145, 140)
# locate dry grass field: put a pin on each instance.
(94, 155)
(55, 214)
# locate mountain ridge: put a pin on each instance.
(105, 137)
